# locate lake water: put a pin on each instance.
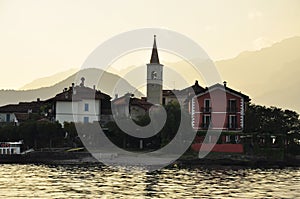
(41, 181)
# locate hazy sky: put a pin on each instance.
(40, 37)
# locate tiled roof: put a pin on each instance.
(167, 93)
(80, 93)
(196, 88)
(133, 102)
(22, 107)
(141, 103)
(22, 116)
(246, 97)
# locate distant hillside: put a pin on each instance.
(106, 85)
(270, 76)
(50, 80)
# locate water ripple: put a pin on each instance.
(41, 181)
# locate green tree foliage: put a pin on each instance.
(28, 133)
(172, 123)
(271, 120)
(49, 134)
(8, 133)
(35, 134)
(267, 121)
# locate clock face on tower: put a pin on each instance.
(154, 75)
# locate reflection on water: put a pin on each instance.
(40, 181)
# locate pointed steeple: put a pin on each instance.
(154, 56)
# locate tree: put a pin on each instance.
(270, 120)
(49, 134)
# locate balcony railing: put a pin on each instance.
(232, 109)
(206, 109)
(205, 125)
(232, 126)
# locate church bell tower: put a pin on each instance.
(154, 77)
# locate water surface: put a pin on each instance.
(42, 181)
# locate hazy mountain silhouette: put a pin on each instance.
(49, 80)
(270, 76)
(107, 85)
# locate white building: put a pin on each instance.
(16, 113)
(10, 148)
(81, 104)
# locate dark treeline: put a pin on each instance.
(271, 119)
(160, 139)
(41, 134)
(270, 122)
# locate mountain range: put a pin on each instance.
(269, 76)
(106, 85)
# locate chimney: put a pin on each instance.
(196, 83)
(225, 83)
(94, 87)
(116, 95)
(38, 99)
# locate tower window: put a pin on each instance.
(154, 75)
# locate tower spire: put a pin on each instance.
(154, 56)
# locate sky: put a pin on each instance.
(42, 37)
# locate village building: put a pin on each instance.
(228, 104)
(128, 106)
(81, 104)
(18, 113)
(225, 113)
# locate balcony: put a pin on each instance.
(205, 125)
(206, 109)
(232, 109)
(232, 126)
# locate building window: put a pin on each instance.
(7, 117)
(227, 138)
(86, 107)
(206, 121)
(86, 120)
(164, 101)
(232, 122)
(232, 106)
(206, 108)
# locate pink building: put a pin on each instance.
(219, 108)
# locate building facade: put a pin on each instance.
(81, 104)
(219, 108)
(128, 106)
(17, 113)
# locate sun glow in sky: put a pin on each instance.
(40, 38)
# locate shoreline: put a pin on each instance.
(86, 159)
